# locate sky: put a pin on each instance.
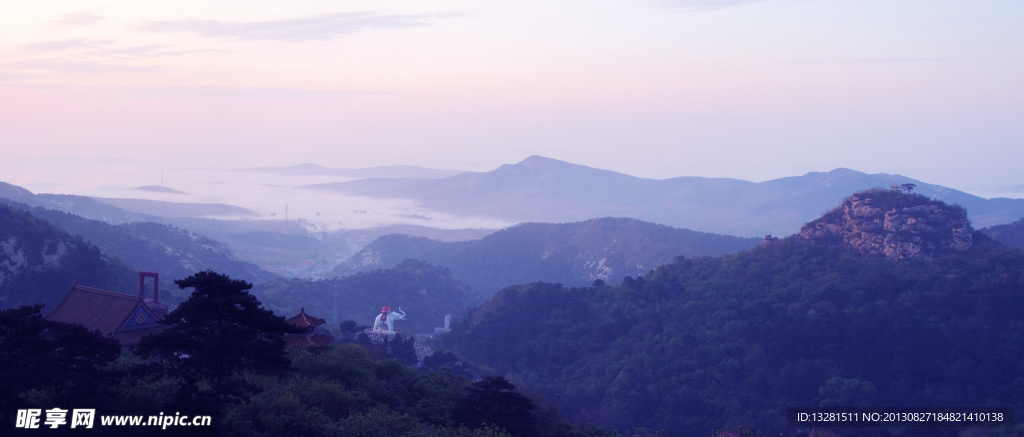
(756, 90)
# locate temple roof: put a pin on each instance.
(97, 309)
(303, 320)
(107, 312)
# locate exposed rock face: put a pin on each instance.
(893, 225)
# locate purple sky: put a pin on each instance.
(654, 88)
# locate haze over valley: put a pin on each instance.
(334, 213)
(454, 218)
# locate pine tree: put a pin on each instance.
(215, 336)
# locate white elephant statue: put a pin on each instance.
(387, 318)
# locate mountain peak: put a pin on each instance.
(892, 224)
(537, 161)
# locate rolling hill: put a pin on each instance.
(425, 292)
(606, 249)
(547, 190)
(172, 252)
(388, 171)
(39, 262)
(82, 206)
(1011, 234)
(828, 317)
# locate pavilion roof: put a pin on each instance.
(303, 320)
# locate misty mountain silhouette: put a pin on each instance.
(573, 254)
(388, 171)
(548, 190)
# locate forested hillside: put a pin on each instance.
(569, 253)
(1011, 234)
(425, 292)
(248, 384)
(707, 343)
(172, 252)
(40, 262)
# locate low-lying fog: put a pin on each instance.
(265, 194)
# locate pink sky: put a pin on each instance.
(654, 88)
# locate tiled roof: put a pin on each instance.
(303, 320)
(107, 312)
(97, 309)
(315, 340)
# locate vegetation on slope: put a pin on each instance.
(238, 370)
(1009, 234)
(425, 292)
(172, 252)
(567, 253)
(708, 343)
(40, 262)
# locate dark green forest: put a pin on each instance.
(1010, 234)
(223, 355)
(425, 292)
(708, 343)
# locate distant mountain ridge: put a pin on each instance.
(547, 190)
(388, 171)
(607, 249)
(172, 252)
(161, 208)
(82, 206)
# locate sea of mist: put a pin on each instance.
(265, 194)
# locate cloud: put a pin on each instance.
(10, 76)
(151, 51)
(64, 44)
(77, 19)
(891, 60)
(192, 92)
(870, 61)
(228, 92)
(104, 49)
(325, 26)
(73, 66)
(704, 5)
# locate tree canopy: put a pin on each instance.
(45, 363)
(708, 343)
(216, 336)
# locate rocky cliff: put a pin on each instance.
(894, 225)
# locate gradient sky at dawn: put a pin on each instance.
(654, 88)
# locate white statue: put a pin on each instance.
(387, 317)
